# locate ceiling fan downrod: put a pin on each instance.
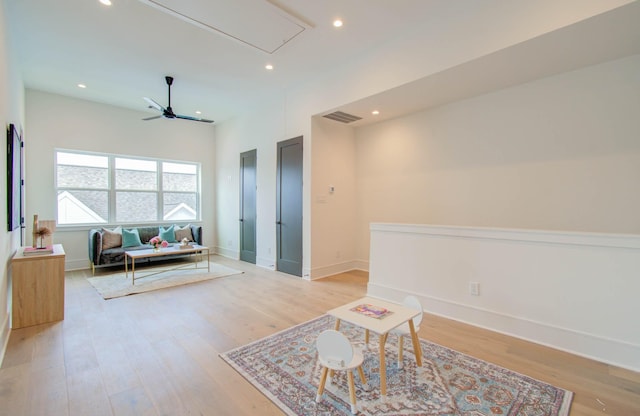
(169, 83)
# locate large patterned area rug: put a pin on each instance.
(157, 277)
(284, 367)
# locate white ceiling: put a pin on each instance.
(123, 52)
(609, 36)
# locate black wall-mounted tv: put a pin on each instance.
(14, 178)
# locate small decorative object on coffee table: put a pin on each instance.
(184, 243)
(158, 243)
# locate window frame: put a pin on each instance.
(112, 191)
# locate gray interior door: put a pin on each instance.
(289, 207)
(248, 206)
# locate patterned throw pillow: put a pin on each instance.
(131, 238)
(184, 232)
(111, 238)
(169, 234)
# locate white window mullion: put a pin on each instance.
(160, 194)
(112, 190)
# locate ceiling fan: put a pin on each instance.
(168, 112)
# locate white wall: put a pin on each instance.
(260, 131)
(561, 153)
(572, 291)
(333, 214)
(11, 111)
(57, 122)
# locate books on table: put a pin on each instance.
(37, 251)
(372, 311)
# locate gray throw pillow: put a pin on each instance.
(111, 238)
(184, 232)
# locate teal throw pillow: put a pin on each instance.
(169, 235)
(130, 238)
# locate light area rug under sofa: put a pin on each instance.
(115, 285)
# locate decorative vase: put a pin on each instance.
(156, 249)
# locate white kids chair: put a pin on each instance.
(403, 330)
(336, 353)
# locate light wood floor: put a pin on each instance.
(157, 353)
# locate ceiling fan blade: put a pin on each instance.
(203, 120)
(152, 118)
(153, 104)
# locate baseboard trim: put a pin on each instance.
(225, 252)
(266, 263)
(5, 331)
(361, 265)
(606, 350)
(70, 265)
(330, 270)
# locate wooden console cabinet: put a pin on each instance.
(37, 288)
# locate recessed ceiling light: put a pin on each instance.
(106, 2)
(82, 86)
(337, 23)
(269, 67)
(375, 112)
(198, 112)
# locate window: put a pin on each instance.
(112, 189)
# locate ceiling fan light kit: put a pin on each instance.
(168, 111)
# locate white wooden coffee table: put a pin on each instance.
(400, 314)
(196, 250)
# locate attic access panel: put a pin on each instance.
(256, 23)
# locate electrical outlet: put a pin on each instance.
(474, 288)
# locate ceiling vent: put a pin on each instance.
(342, 117)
